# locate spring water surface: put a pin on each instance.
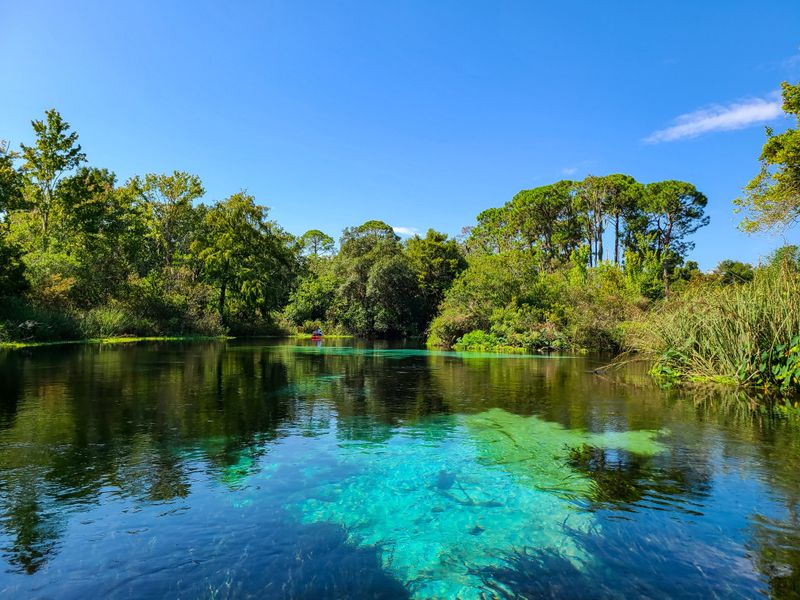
(292, 470)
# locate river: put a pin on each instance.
(350, 469)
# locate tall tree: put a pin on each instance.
(676, 211)
(104, 233)
(12, 268)
(356, 268)
(623, 202)
(772, 198)
(10, 183)
(544, 219)
(54, 154)
(593, 194)
(315, 242)
(166, 203)
(436, 261)
(245, 253)
(491, 235)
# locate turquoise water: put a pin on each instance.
(272, 469)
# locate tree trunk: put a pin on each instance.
(44, 211)
(44, 229)
(222, 290)
(665, 259)
(616, 239)
(600, 245)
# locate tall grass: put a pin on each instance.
(736, 333)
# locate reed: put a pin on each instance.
(746, 333)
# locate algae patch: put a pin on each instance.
(535, 452)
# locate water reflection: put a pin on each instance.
(190, 460)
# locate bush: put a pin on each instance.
(172, 302)
(573, 308)
(23, 321)
(448, 326)
(599, 307)
(106, 321)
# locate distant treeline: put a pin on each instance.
(86, 256)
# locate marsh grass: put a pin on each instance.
(743, 333)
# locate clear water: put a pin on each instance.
(358, 470)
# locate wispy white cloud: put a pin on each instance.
(737, 115)
(405, 231)
(792, 62)
(569, 170)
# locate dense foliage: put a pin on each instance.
(84, 256)
(540, 275)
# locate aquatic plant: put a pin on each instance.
(442, 505)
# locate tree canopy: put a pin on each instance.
(771, 199)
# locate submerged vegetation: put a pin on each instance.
(598, 264)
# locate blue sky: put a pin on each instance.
(421, 114)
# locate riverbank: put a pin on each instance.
(163, 338)
(308, 336)
(114, 340)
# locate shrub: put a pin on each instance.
(24, 321)
(172, 302)
(106, 321)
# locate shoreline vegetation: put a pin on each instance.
(599, 264)
(164, 338)
(6, 345)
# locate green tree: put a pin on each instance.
(392, 297)
(543, 221)
(734, 271)
(605, 200)
(313, 297)
(104, 234)
(491, 234)
(676, 210)
(12, 269)
(772, 198)
(315, 243)
(10, 184)
(623, 204)
(545, 218)
(436, 262)
(361, 304)
(166, 205)
(245, 254)
(593, 194)
(54, 154)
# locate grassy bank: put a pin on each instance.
(114, 340)
(745, 334)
